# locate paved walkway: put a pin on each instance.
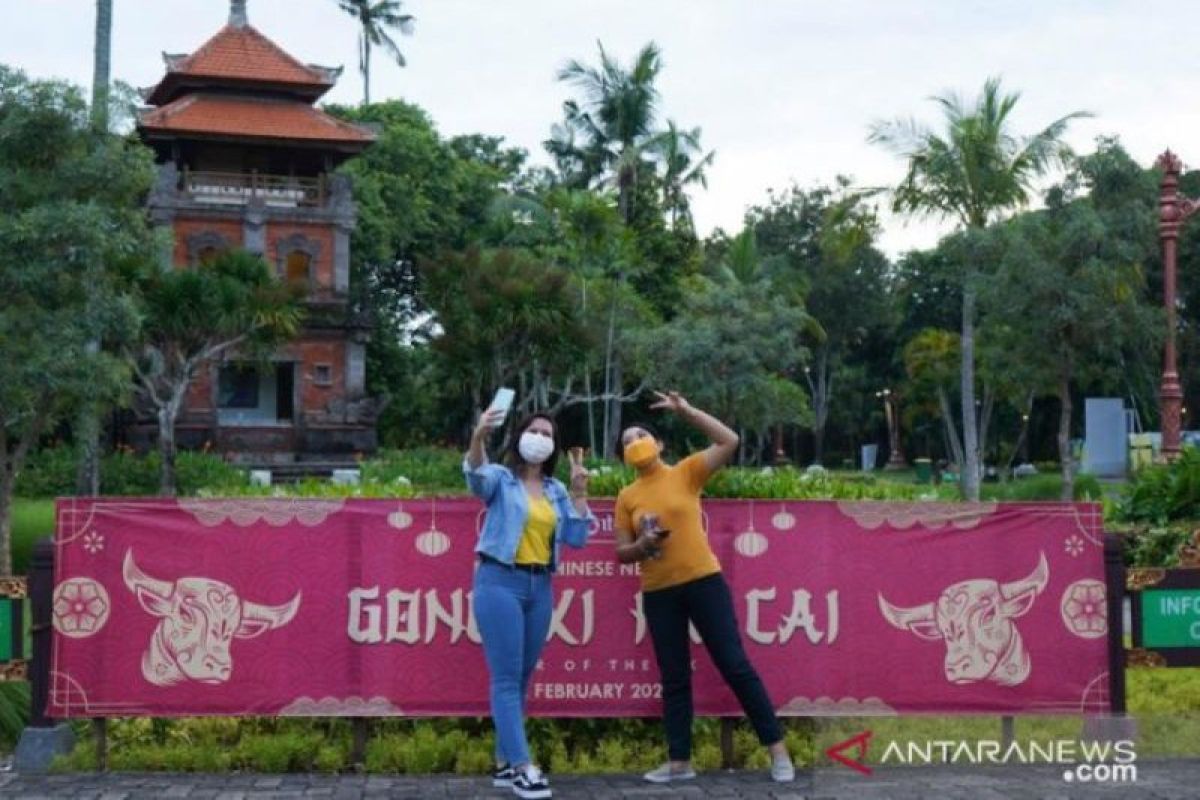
(1156, 780)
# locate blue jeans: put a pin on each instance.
(512, 609)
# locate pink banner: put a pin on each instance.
(363, 607)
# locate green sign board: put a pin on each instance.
(7, 628)
(1171, 618)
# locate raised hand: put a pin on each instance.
(488, 422)
(671, 401)
(579, 473)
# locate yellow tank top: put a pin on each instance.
(534, 547)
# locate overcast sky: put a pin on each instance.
(784, 89)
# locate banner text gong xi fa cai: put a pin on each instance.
(363, 607)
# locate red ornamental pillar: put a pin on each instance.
(1172, 211)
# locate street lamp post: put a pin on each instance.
(1024, 438)
(1173, 210)
(891, 413)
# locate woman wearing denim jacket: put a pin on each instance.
(529, 514)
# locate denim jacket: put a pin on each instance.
(508, 510)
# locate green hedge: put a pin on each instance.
(51, 473)
(1041, 487)
(1163, 493)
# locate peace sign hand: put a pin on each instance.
(671, 401)
(579, 473)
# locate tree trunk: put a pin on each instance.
(87, 426)
(587, 384)
(955, 444)
(1064, 438)
(626, 181)
(614, 414)
(7, 482)
(591, 415)
(87, 440)
(985, 420)
(610, 367)
(166, 448)
(970, 472)
(101, 64)
(366, 70)
(820, 390)
(1024, 432)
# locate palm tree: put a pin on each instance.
(605, 138)
(678, 150)
(87, 424)
(615, 120)
(102, 63)
(974, 171)
(376, 18)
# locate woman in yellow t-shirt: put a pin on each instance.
(658, 523)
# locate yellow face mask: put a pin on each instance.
(641, 452)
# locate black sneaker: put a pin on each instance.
(530, 784)
(502, 776)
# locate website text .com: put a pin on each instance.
(1082, 761)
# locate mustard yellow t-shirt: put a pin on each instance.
(673, 493)
(534, 547)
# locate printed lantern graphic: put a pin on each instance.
(400, 519)
(783, 520)
(750, 543)
(433, 542)
(976, 618)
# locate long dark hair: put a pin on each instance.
(512, 456)
(646, 426)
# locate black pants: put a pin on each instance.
(706, 603)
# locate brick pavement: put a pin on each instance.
(1157, 780)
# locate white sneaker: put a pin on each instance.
(783, 770)
(502, 776)
(666, 774)
(530, 784)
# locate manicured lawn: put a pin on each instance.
(32, 520)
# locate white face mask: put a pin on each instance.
(534, 447)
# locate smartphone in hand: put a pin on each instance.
(502, 402)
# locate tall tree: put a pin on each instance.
(684, 163)
(974, 171)
(823, 239)
(931, 359)
(376, 20)
(747, 336)
(417, 196)
(71, 221)
(615, 118)
(507, 319)
(1069, 292)
(87, 426)
(231, 305)
(102, 63)
(606, 137)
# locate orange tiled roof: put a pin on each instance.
(244, 53)
(218, 115)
